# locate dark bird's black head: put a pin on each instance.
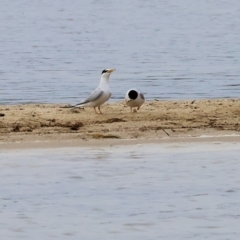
(132, 94)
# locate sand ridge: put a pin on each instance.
(156, 119)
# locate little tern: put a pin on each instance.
(100, 95)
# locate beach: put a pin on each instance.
(156, 120)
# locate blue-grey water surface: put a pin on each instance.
(54, 51)
(168, 191)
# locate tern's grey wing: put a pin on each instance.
(141, 96)
(97, 93)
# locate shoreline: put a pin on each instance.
(157, 121)
(25, 145)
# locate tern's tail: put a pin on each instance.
(79, 105)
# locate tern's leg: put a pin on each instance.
(95, 110)
(99, 110)
(138, 108)
(130, 109)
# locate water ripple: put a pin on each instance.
(55, 52)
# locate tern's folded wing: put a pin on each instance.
(94, 96)
(141, 96)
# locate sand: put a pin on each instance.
(156, 119)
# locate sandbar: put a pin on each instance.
(57, 125)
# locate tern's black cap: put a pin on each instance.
(104, 71)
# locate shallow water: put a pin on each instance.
(54, 51)
(167, 191)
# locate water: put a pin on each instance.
(54, 51)
(167, 191)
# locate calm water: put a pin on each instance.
(54, 51)
(180, 191)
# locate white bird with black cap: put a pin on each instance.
(100, 95)
(134, 98)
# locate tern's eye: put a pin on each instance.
(104, 71)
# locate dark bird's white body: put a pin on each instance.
(134, 98)
(100, 95)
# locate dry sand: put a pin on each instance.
(156, 120)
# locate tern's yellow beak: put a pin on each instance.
(111, 70)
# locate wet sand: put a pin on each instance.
(57, 124)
